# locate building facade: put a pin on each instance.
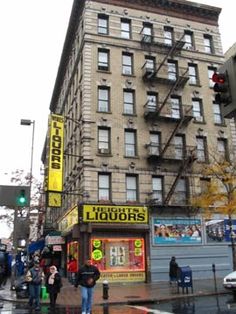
(135, 99)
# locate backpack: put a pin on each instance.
(36, 276)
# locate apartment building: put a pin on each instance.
(134, 98)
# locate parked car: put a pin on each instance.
(229, 281)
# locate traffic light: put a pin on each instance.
(21, 198)
(222, 88)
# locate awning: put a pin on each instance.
(35, 246)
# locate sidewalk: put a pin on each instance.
(128, 293)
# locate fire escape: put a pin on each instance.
(166, 110)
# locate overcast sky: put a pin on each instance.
(32, 34)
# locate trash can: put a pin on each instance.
(184, 278)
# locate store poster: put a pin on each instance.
(218, 230)
(177, 231)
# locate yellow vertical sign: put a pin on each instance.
(55, 175)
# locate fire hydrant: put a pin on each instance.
(105, 288)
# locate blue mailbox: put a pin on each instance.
(184, 277)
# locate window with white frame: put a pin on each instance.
(211, 71)
(151, 101)
(188, 38)
(131, 188)
(104, 188)
(201, 148)
(130, 143)
(193, 74)
(103, 59)
(180, 194)
(103, 140)
(197, 110)
(155, 142)
(179, 146)
(129, 102)
(103, 24)
(222, 148)
(172, 70)
(208, 43)
(147, 32)
(157, 189)
(103, 99)
(218, 117)
(125, 28)
(127, 63)
(175, 107)
(168, 35)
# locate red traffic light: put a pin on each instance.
(219, 78)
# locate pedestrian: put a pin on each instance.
(173, 269)
(87, 276)
(2, 275)
(53, 285)
(72, 269)
(35, 277)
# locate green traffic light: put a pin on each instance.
(21, 199)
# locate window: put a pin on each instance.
(130, 143)
(218, 118)
(127, 63)
(129, 102)
(103, 59)
(147, 32)
(179, 146)
(104, 189)
(222, 148)
(197, 110)
(188, 38)
(131, 188)
(180, 194)
(157, 189)
(168, 35)
(102, 24)
(204, 184)
(125, 28)
(193, 74)
(211, 71)
(150, 64)
(175, 107)
(208, 43)
(201, 149)
(155, 143)
(172, 70)
(103, 99)
(151, 101)
(104, 140)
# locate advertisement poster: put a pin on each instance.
(177, 231)
(218, 230)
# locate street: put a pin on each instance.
(222, 304)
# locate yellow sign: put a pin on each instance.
(115, 214)
(56, 126)
(97, 255)
(69, 220)
(54, 199)
(138, 243)
(123, 277)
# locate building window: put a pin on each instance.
(103, 99)
(197, 110)
(103, 24)
(179, 146)
(180, 194)
(131, 188)
(104, 140)
(211, 71)
(103, 59)
(157, 189)
(193, 74)
(130, 143)
(147, 32)
(201, 148)
(188, 38)
(208, 44)
(175, 107)
(127, 63)
(129, 102)
(125, 28)
(168, 35)
(218, 118)
(151, 101)
(155, 143)
(104, 187)
(172, 70)
(222, 148)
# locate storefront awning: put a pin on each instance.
(35, 246)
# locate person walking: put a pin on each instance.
(173, 269)
(87, 276)
(72, 269)
(53, 285)
(34, 277)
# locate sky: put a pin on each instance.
(32, 34)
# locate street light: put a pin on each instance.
(28, 123)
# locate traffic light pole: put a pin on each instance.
(13, 265)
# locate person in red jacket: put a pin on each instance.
(72, 269)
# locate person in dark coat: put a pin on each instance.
(173, 269)
(53, 285)
(88, 274)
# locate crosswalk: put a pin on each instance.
(149, 310)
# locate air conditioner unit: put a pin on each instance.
(127, 72)
(199, 119)
(189, 48)
(103, 150)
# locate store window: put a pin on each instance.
(119, 259)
